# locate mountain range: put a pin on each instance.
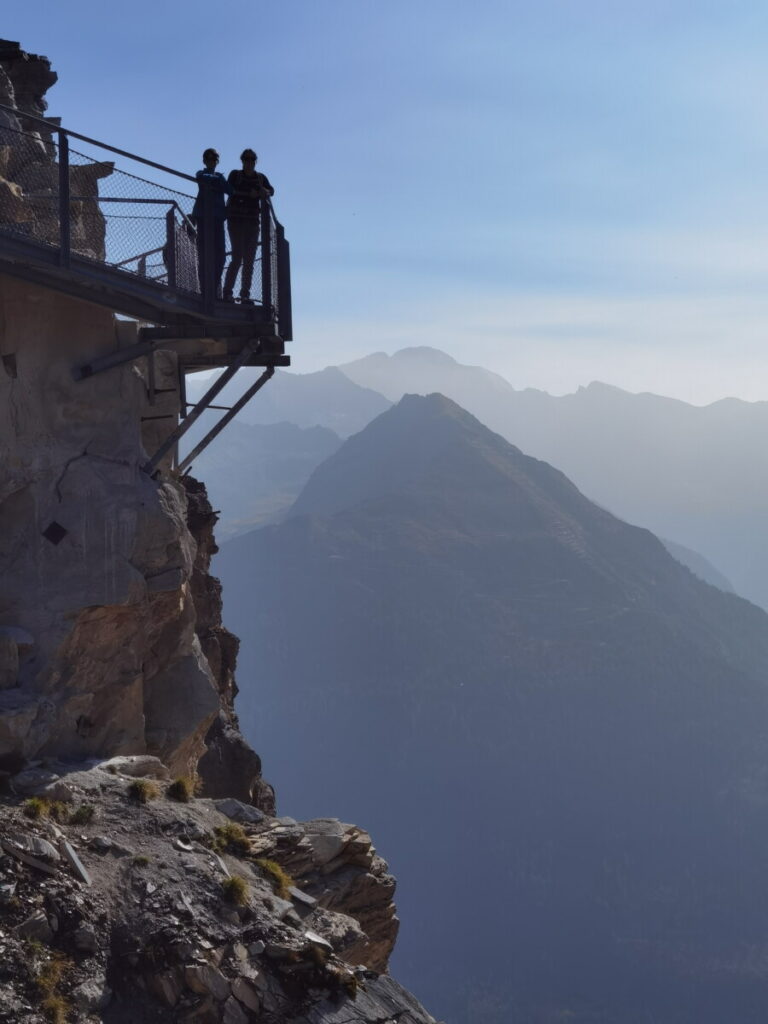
(327, 398)
(555, 730)
(696, 476)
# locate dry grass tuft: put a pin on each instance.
(51, 974)
(84, 815)
(235, 890)
(278, 876)
(181, 789)
(142, 791)
(231, 838)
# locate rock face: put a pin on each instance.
(167, 911)
(229, 766)
(29, 171)
(84, 539)
(27, 78)
(116, 674)
(110, 630)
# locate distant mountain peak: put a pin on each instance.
(424, 353)
(427, 444)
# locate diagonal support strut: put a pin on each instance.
(151, 464)
(215, 431)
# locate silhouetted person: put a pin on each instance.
(212, 190)
(248, 188)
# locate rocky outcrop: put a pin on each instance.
(122, 911)
(29, 170)
(29, 76)
(229, 767)
(338, 865)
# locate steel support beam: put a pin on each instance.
(108, 362)
(151, 464)
(235, 409)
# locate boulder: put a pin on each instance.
(206, 979)
(35, 927)
(239, 811)
(245, 992)
(32, 781)
(138, 766)
(93, 994)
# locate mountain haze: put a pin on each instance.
(695, 474)
(519, 691)
(257, 470)
(327, 398)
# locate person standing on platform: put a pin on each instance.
(212, 192)
(248, 187)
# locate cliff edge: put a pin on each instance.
(124, 895)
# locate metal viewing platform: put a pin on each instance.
(72, 221)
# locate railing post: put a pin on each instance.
(65, 236)
(284, 311)
(266, 258)
(170, 247)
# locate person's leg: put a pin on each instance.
(200, 255)
(221, 254)
(235, 228)
(250, 243)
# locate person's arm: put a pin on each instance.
(267, 190)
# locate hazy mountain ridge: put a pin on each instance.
(492, 664)
(256, 471)
(698, 564)
(326, 398)
(696, 474)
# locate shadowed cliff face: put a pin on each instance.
(96, 609)
(531, 696)
(107, 616)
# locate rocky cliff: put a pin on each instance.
(117, 675)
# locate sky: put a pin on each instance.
(561, 191)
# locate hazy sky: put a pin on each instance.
(561, 191)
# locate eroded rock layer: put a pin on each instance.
(122, 903)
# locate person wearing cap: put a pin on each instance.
(212, 192)
(247, 188)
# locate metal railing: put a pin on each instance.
(87, 209)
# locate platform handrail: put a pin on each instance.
(53, 127)
(53, 200)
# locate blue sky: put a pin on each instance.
(559, 191)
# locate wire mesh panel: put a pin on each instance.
(29, 186)
(130, 223)
(271, 255)
(85, 206)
